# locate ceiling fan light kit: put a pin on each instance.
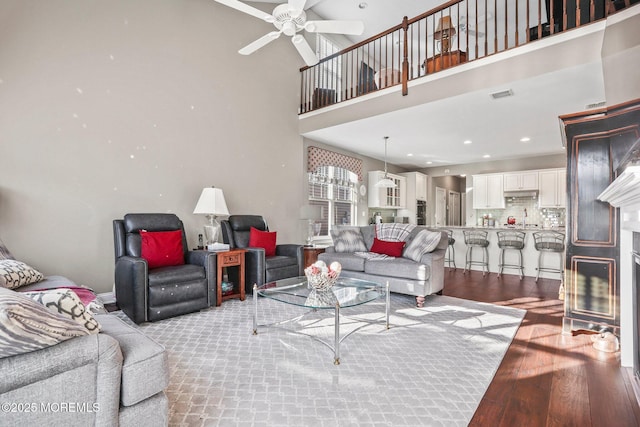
(289, 18)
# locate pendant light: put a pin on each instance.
(385, 182)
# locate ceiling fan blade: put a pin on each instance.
(235, 4)
(296, 7)
(336, 27)
(304, 50)
(262, 41)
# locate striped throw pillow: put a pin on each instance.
(4, 251)
(27, 326)
(424, 242)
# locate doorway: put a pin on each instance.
(453, 207)
(441, 207)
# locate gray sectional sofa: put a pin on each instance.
(116, 377)
(404, 275)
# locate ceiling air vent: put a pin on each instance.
(596, 105)
(502, 94)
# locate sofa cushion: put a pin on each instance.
(14, 274)
(26, 326)
(280, 261)
(398, 267)
(145, 369)
(348, 261)
(66, 302)
(178, 273)
(424, 242)
(348, 240)
(386, 247)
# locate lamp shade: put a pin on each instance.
(211, 202)
(310, 212)
(445, 28)
(385, 183)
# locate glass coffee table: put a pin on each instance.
(345, 293)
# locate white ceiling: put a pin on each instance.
(435, 132)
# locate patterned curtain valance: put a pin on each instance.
(317, 157)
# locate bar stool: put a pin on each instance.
(511, 240)
(553, 242)
(450, 254)
(476, 239)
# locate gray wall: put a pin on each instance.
(116, 106)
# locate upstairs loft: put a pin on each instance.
(462, 47)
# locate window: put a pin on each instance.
(334, 189)
(330, 72)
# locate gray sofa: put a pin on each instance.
(116, 377)
(405, 276)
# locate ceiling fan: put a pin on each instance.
(289, 18)
(469, 25)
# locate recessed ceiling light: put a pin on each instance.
(468, 141)
(462, 175)
(525, 139)
(410, 155)
(429, 162)
(486, 156)
(363, 5)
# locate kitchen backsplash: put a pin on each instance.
(515, 206)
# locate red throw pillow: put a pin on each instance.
(387, 247)
(162, 248)
(263, 239)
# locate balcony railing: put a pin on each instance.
(456, 32)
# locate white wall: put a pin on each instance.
(116, 106)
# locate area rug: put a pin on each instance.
(431, 368)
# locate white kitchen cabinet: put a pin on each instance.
(553, 190)
(392, 198)
(416, 186)
(416, 191)
(521, 181)
(488, 191)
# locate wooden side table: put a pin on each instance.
(311, 254)
(444, 60)
(232, 258)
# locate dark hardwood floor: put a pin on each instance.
(546, 378)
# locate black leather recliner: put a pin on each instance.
(260, 269)
(147, 295)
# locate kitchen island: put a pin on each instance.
(529, 253)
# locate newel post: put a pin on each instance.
(405, 59)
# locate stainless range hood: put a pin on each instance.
(528, 194)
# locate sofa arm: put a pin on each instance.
(435, 261)
(82, 371)
(131, 278)
(254, 267)
(208, 260)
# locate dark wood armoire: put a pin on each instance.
(596, 142)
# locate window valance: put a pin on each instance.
(317, 157)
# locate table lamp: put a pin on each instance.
(211, 203)
(444, 33)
